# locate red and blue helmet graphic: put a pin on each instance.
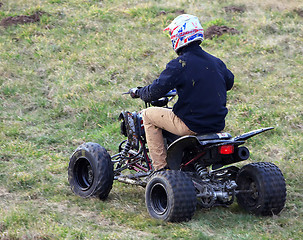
(185, 29)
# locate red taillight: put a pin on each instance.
(226, 149)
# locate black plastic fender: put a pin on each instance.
(176, 149)
(250, 134)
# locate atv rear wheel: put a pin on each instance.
(265, 186)
(90, 171)
(170, 196)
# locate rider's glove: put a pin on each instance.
(134, 92)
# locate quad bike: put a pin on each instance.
(200, 171)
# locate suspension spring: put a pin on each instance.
(126, 149)
(202, 171)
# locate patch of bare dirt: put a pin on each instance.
(215, 30)
(235, 9)
(4, 158)
(299, 12)
(23, 19)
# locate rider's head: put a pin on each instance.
(184, 30)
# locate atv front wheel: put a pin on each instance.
(90, 171)
(264, 188)
(170, 196)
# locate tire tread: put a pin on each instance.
(272, 181)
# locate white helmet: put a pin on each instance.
(183, 30)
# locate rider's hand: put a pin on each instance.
(134, 92)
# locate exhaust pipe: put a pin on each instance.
(241, 154)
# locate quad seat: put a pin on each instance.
(213, 136)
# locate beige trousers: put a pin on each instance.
(155, 119)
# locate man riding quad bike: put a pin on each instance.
(187, 148)
(201, 81)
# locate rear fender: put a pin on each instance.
(176, 149)
(250, 134)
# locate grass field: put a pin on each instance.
(61, 84)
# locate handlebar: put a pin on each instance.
(171, 93)
(161, 102)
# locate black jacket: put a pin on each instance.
(201, 81)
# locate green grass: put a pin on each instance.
(61, 84)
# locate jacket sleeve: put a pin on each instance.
(228, 76)
(167, 81)
(229, 79)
